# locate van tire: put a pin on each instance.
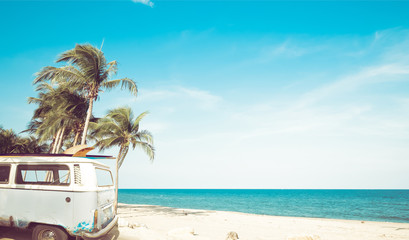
(45, 232)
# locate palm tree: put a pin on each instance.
(89, 72)
(10, 142)
(8, 139)
(61, 112)
(119, 128)
(29, 145)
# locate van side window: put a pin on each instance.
(43, 174)
(104, 177)
(4, 174)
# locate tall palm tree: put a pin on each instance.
(89, 72)
(61, 112)
(120, 128)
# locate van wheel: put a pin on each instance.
(44, 232)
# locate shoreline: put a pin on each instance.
(151, 222)
(356, 204)
(228, 211)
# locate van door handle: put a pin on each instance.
(68, 199)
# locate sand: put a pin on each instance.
(145, 222)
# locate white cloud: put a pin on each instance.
(288, 50)
(145, 2)
(206, 99)
(314, 114)
(156, 127)
(181, 95)
(348, 122)
(370, 75)
(155, 95)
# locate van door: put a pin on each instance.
(42, 194)
(105, 197)
(4, 195)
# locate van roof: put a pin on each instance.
(52, 155)
(51, 158)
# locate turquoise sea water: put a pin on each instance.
(365, 205)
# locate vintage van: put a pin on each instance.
(57, 195)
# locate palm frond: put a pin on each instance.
(111, 70)
(34, 100)
(120, 128)
(103, 144)
(147, 148)
(126, 83)
(135, 124)
(54, 74)
(146, 136)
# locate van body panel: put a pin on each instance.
(85, 204)
(69, 197)
(106, 212)
(25, 206)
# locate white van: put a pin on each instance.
(57, 196)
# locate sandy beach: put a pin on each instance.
(144, 222)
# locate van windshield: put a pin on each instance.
(104, 177)
(43, 174)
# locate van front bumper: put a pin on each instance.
(97, 235)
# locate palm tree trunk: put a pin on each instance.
(120, 159)
(56, 140)
(77, 135)
(60, 140)
(52, 145)
(123, 155)
(89, 112)
(117, 178)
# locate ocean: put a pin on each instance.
(364, 205)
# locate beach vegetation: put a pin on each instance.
(60, 114)
(88, 71)
(64, 110)
(11, 142)
(119, 128)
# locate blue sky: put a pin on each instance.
(241, 94)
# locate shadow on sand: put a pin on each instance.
(7, 233)
(141, 210)
(14, 234)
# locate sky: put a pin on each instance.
(241, 94)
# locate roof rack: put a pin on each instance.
(51, 155)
